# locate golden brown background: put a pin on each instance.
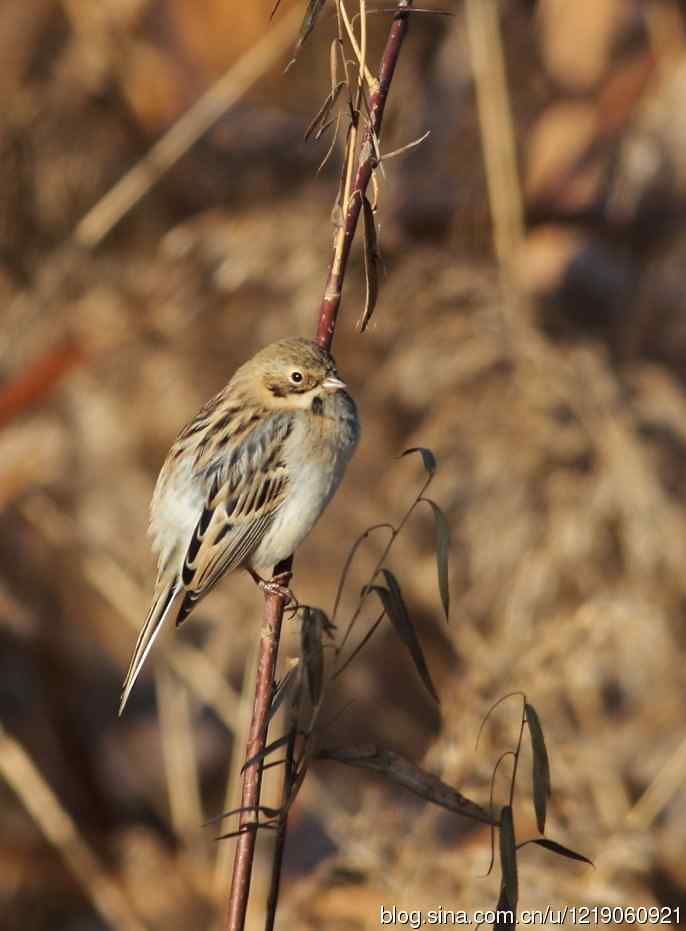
(542, 358)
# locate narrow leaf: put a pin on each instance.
(333, 62)
(284, 688)
(313, 623)
(400, 608)
(394, 606)
(504, 913)
(360, 646)
(541, 766)
(314, 8)
(405, 148)
(371, 263)
(405, 773)
(265, 751)
(428, 458)
(321, 120)
(561, 850)
(508, 856)
(251, 828)
(263, 809)
(442, 552)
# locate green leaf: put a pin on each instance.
(561, 850)
(428, 458)
(541, 766)
(394, 605)
(313, 623)
(371, 263)
(442, 552)
(508, 857)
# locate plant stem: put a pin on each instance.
(367, 162)
(274, 604)
(280, 842)
(252, 777)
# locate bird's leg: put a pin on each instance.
(274, 586)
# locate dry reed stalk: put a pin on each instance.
(252, 773)
(233, 782)
(224, 93)
(179, 754)
(22, 775)
(499, 149)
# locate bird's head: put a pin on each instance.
(293, 374)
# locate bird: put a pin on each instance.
(246, 479)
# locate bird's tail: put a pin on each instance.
(164, 598)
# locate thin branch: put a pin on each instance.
(359, 53)
(363, 642)
(252, 777)
(395, 532)
(282, 830)
(348, 562)
(350, 203)
(331, 301)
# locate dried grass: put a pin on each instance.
(562, 477)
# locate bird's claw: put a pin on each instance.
(275, 586)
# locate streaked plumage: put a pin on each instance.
(247, 478)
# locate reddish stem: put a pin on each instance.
(367, 162)
(252, 777)
(274, 604)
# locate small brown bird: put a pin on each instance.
(247, 478)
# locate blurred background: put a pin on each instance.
(530, 330)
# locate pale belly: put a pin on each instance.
(297, 516)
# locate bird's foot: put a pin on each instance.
(275, 586)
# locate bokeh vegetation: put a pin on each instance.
(528, 330)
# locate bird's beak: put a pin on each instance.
(333, 383)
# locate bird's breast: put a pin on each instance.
(317, 453)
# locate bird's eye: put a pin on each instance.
(296, 377)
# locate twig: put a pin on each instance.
(280, 842)
(367, 161)
(274, 604)
(359, 54)
(395, 532)
(252, 777)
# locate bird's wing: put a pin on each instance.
(245, 489)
